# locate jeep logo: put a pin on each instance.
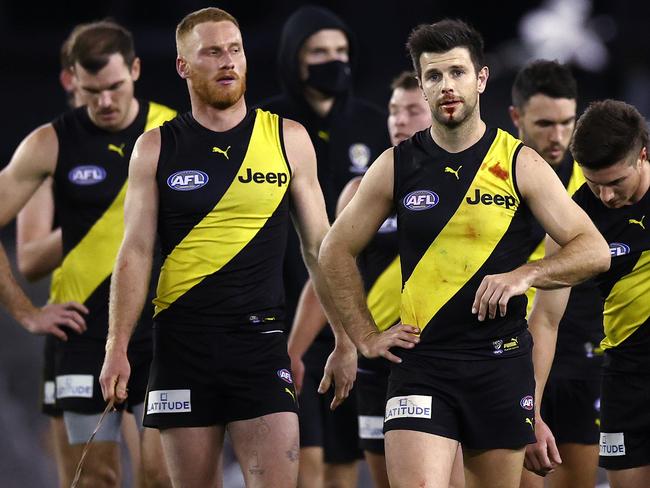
(507, 201)
(187, 180)
(259, 177)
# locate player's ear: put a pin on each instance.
(514, 115)
(135, 69)
(182, 68)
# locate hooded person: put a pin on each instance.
(316, 60)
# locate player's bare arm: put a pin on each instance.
(39, 247)
(130, 280)
(548, 309)
(33, 161)
(350, 234)
(583, 253)
(310, 219)
(310, 317)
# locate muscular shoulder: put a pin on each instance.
(38, 151)
(146, 151)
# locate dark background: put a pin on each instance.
(31, 34)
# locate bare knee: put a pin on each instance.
(155, 477)
(100, 477)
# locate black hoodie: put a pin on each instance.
(347, 140)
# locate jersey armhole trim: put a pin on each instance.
(282, 148)
(515, 154)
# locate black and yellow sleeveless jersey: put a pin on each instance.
(626, 286)
(578, 354)
(460, 218)
(223, 221)
(89, 188)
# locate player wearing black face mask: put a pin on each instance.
(315, 64)
(331, 78)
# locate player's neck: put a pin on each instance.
(319, 103)
(461, 137)
(216, 119)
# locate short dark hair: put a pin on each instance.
(549, 78)
(608, 132)
(407, 80)
(444, 36)
(65, 56)
(94, 43)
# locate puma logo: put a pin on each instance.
(637, 222)
(530, 422)
(216, 149)
(453, 171)
(118, 149)
(290, 393)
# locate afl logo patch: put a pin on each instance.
(87, 175)
(187, 180)
(359, 157)
(526, 402)
(285, 375)
(421, 200)
(618, 249)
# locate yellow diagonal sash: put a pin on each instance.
(628, 304)
(384, 296)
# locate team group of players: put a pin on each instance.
(424, 272)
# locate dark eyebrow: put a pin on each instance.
(552, 122)
(609, 183)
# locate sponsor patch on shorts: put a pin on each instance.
(371, 427)
(74, 386)
(49, 389)
(411, 406)
(169, 401)
(612, 444)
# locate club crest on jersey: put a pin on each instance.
(88, 174)
(359, 155)
(618, 249)
(421, 200)
(187, 180)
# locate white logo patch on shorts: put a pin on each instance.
(413, 406)
(49, 390)
(74, 386)
(371, 427)
(612, 444)
(169, 401)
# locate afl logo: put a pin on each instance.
(526, 402)
(87, 175)
(285, 375)
(618, 249)
(188, 180)
(421, 200)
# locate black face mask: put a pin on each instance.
(331, 78)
